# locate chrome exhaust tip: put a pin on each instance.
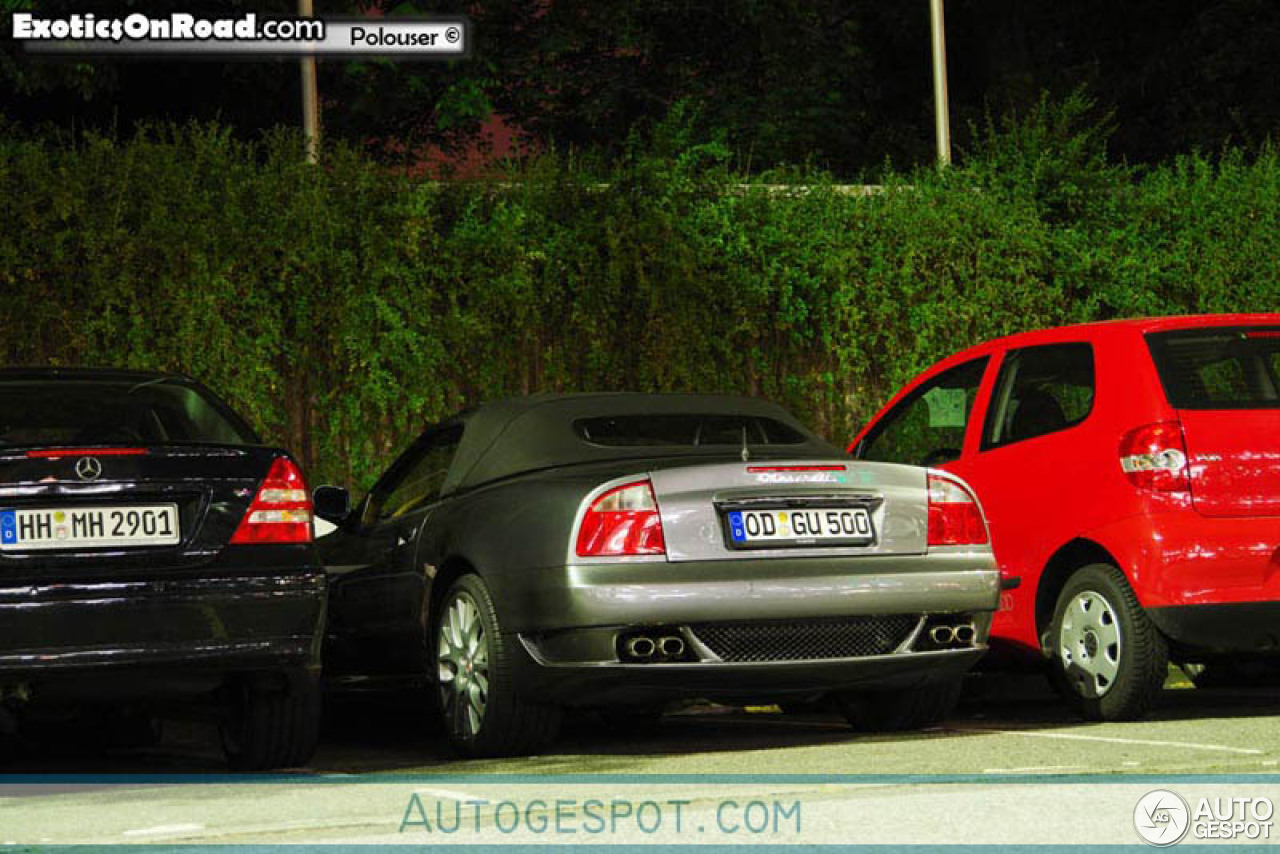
(640, 647)
(671, 646)
(942, 634)
(965, 633)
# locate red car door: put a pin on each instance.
(1027, 462)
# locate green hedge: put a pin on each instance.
(344, 307)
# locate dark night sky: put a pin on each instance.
(842, 85)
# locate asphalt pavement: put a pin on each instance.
(383, 774)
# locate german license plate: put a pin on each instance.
(843, 526)
(124, 526)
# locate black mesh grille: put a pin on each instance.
(804, 640)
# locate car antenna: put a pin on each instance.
(746, 451)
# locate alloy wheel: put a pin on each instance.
(462, 659)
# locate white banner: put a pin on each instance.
(660, 811)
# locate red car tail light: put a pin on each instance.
(1154, 457)
(280, 512)
(622, 521)
(59, 453)
(954, 516)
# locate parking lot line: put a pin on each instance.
(447, 794)
(1222, 748)
(1035, 769)
(164, 830)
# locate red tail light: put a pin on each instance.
(59, 453)
(623, 521)
(280, 512)
(954, 516)
(1154, 457)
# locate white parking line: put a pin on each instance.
(1034, 769)
(448, 794)
(1222, 748)
(164, 830)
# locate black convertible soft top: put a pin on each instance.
(523, 434)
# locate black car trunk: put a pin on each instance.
(209, 487)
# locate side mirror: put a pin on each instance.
(333, 503)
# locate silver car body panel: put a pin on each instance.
(622, 594)
(689, 499)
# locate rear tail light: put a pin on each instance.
(1154, 457)
(954, 516)
(59, 453)
(280, 512)
(622, 521)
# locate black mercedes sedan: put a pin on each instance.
(619, 551)
(154, 552)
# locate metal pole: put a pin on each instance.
(941, 110)
(310, 94)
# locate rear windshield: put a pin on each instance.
(92, 412)
(686, 431)
(1222, 368)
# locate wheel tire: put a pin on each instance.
(270, 726)
(1106, 656)
(903, 709)
(482, 711)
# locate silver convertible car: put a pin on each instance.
(621, 551)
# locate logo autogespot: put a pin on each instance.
(1161, 818)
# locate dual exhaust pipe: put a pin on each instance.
(645, 648)
(947, 635)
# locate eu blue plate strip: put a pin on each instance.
(8, 527)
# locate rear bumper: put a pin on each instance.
(568, 623)
(612, 594)
(614, 684)
(1247, 627)
(162, 636)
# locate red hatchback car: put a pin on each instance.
(1130, 474)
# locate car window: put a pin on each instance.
(927, 427)
(151, 412)
(417, 478)
(1223, 368)
(1040, 390)
(685, 430)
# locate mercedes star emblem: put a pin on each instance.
(88, 468)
